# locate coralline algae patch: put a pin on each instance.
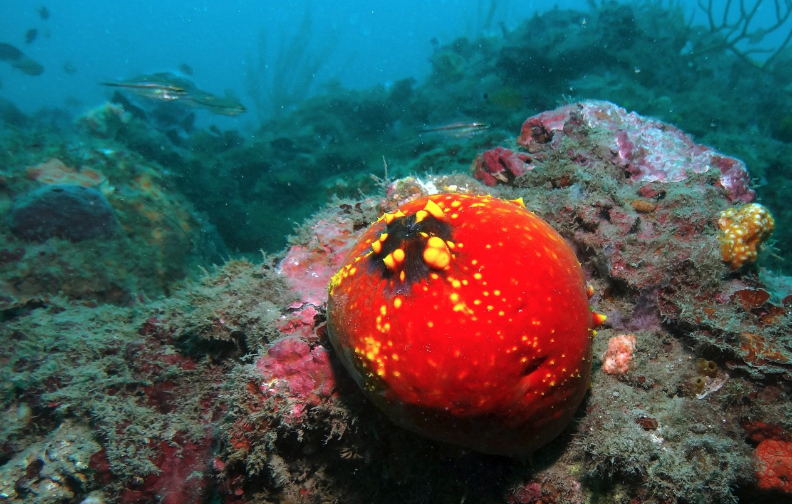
(296, 376)
(466, 319)
(310, 265)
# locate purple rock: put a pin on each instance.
(647, 149)
(67, 211)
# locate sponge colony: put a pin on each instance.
(70, 212)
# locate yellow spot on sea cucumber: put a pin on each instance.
(398, 255)
(436, 254)
(434, 210)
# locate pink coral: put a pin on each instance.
(500, 165)
(617, 358)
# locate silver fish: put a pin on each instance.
(459, 129)
(159, 86)
(227, 105)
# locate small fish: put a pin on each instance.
(159, 87)
(18, 60)
(31, 35)
(151, 90)
(43, 12)
(186, 69)
(69, 68)
(9, 52)
(228, 105)
(458, 129)
(28, 66)
(168, 87)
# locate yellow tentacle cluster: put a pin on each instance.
(743, 230)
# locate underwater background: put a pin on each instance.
(180, 182)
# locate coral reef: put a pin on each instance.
(297, 376)
(229, 390)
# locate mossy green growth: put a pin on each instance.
(140, 376)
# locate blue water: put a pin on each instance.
(373, 42)
(368, 43)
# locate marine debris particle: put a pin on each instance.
(466, 319)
